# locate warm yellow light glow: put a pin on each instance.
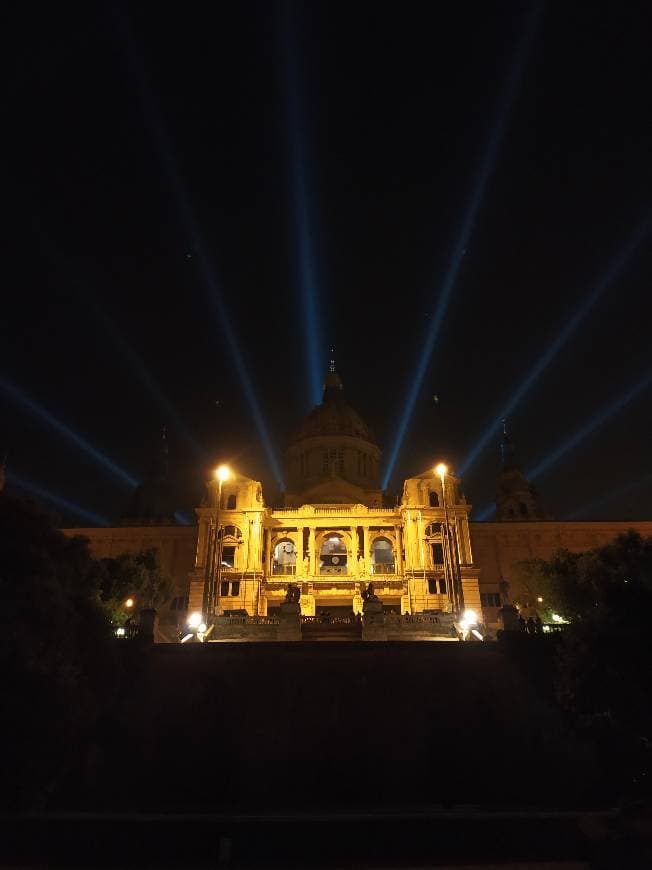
(194, 620)
(223, 472)
(540, 599)
(441, 470)
(201, 628)
(129, 602)
(470, 616)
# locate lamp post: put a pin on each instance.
(456, 594)
(222, 473)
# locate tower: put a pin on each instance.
(517, 499)
(152, 502)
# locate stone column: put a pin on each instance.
(352, 567)
(268, 553)
(398, 557)
(367, 557)
(312, 565)
(299, 545)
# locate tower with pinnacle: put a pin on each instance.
(517, 499)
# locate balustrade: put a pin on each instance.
(383, 568)
(283, 570)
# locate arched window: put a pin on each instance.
(230, 503)
(432, 530)
(333, 555)
(231, 532)
(434, 499)
(523, 509)
(382, 556)
(285, 557)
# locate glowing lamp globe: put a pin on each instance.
(223, 473)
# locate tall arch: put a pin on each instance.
(383, 560)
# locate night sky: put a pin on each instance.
(121, 122)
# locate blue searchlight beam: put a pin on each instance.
(66, 432)
(304, 219)
(478, 191)
(589, 507)
(611, 274)
(81, 284)
(166, 155)
(597, 420)
(57, 500)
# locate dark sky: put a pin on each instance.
(110, 110)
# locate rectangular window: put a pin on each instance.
(340, 460)
(228, 557)
(437, 554)
(490, 599)
(432, 586)
(325, 460)
(442, 586)
(235, 587)
(224, 589)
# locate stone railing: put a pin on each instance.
(380, 568)
(246, 620)
(284, 570)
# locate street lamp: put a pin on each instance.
(441, 470)
(222, 473)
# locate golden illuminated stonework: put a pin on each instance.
(334, 535)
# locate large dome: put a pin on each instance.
(333, 457)
(333, 417)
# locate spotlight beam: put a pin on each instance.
(611, 274)
(639, 483)
(470, 215)
(165, 153)
(66, 432)
(90, 299)
(596, 421)
(484, 514)
(57, 500)
(303, 219)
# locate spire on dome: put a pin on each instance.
(333, 382)
(507, 451)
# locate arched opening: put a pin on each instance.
(434, 499)
(382, 557)
(332, 555)
(523, 509)
(285, 557)
(230, 503)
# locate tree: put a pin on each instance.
(605, 657)
(133, 575)
(57, 654)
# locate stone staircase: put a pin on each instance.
(316, 628)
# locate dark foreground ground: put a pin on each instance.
(465, 837)
(333, 755)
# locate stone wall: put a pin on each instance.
(499, 547)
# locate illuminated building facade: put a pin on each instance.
(334, 534)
